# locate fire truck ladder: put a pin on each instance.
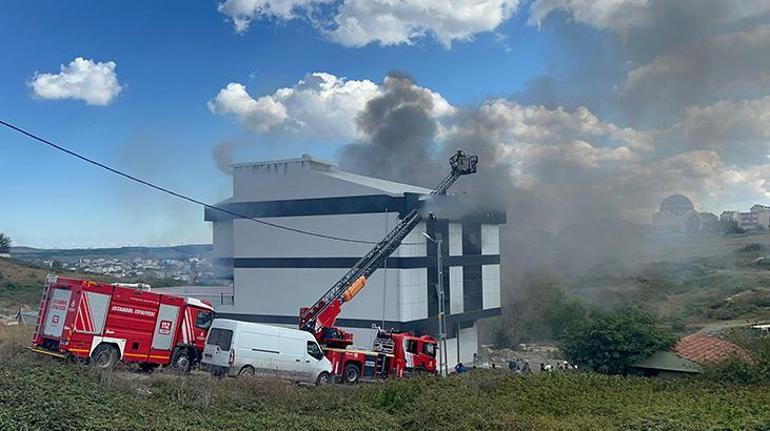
(50, 279)
(460, 165)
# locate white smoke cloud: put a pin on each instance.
(720, 66)
(83, 79)
(361, 22)
(321, 104)
(621, 16)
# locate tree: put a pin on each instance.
(610, 343)
(5, 243)
(542, 312)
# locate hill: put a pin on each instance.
(688, 281)
(172, 252)
(21, 282)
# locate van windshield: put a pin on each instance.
(220, 337)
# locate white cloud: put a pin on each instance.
(320, 105)
(95, 83)
(387, 22)
(259, 115)
(242, 12)
(527, 135)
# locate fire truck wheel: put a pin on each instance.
(181, 361)
(323, 379)
(105, 356)
(247, 370)
(351, 374)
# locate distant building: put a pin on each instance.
(689, 355)
(677, 214)
(757, 218)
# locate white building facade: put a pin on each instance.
(276, 271)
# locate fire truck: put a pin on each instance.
(393, 353)
(107, 323)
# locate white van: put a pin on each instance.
(241, 348)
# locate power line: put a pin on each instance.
(181, 196)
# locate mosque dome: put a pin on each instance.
(676, 203)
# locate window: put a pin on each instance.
(221, 338)
(411, 346)
(429, 349)
(203, 321)
(314, 350)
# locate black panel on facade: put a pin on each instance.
(472, 292)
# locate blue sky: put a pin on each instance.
(173, 57)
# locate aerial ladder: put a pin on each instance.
(319, 319)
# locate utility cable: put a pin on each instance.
(181, 196)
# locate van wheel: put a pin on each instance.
(323, 379)
(247, 370)
(105, 356)
(181, 361)
(351, 374)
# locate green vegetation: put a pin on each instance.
(5, 243)
(610, 343)
(40, 393)
(20, 284)
(688, 283)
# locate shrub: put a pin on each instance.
(610, 343)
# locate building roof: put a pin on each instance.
(390, 187)
(667, 361)
(331, 170)
(676, 202)
(703, 348)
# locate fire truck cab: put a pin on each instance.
(107, 323)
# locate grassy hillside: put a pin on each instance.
(20, 283)
(687, 281)
(39, 393)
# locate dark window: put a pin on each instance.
(411, 346)
(221, 338)
(472, 291)
(203, 321)
(471, 239)
(429, 349)
(314, 350)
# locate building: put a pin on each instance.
(677, 214)
(690, 355)
(757, 218)
(276, 271)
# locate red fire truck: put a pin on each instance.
(106, 323)
(393, 353)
